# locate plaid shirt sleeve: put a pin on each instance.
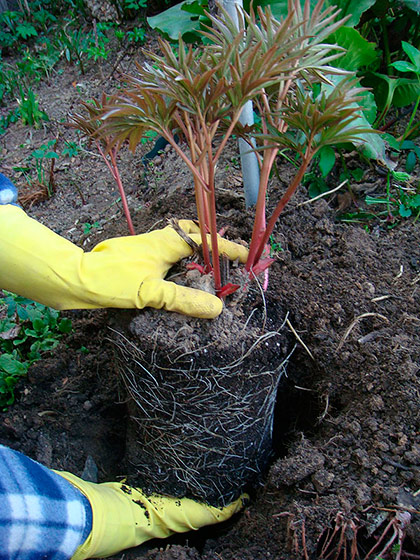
(42, 515)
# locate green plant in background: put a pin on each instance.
(98, 40)
(412, 67)
(129, 9)
(28, 330)
(73, 44)
(43, 159)
(11, 117)
(71, 149)
(33, 67)
(137, 35)
(9, 81)
(41, 163)
(275, 247)
(88, 227)
(283, 67)
(29, 110)
(18, 27)
(412, 156)
(400, 200)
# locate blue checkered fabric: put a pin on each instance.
(42, 515)
(8, 191)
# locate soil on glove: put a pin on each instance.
(346, 457)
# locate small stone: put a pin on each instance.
(87, 405)
(370, 288)
(90, 471)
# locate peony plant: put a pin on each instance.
(197, 93)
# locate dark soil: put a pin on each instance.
(346, 434)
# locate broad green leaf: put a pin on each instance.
(412, 4)
(370, 144)
(406, 93)
(360, 52)
(38, 324)
(399, 92)
(369, 107)
(279, 8)
(352, 8)
(175, 21)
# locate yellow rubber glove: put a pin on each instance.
(124, 272)
(124, 517)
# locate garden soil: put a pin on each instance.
(345, 468)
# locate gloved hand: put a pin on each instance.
(124, 517)
(124, 272)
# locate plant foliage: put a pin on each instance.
(28, 330)
(199, 93)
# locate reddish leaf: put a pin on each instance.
(227, 290)
(196, 266)
(261, 265)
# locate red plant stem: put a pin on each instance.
(122, 193)
(280, 207)
(199, 200)
(259, 221)
(181, 154)
(213, 228)
(115, 173)
(200, 186)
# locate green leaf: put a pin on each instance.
(391, 141)
(403, 66)
(415, 201)
(65, 325)
(352, 8)
(401, 176)
(372, 200)
(404, 212)
(175, 21)
(412, 4)
(12, 366)
(38, 324)
(399, 92)
(51, 155)
(370, 144)
(26, 30)
(360, 52)
(279, 8)
(412, 53)
(357, 174)
(326, 160)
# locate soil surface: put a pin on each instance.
(345, 470)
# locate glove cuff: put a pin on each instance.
(115, 526)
